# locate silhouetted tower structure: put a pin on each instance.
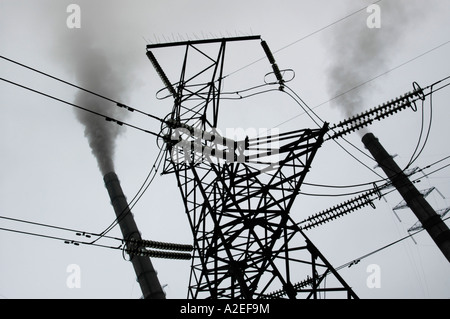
(238, 199)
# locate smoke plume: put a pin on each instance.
(95, 72)
(359, 53)
(99, 60)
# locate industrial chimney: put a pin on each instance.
(146, 274)
(430, 220)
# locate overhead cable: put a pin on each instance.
(119, 104)
(107, 118)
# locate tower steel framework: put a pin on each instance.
(237, 198)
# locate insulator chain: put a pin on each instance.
(161, 73)
(157, 254)
(282, 292)
(138, 247)
(159, 245)
(275, 68)
(339, 210)
(307, 282)
(366, 118)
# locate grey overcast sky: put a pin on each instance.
(49, 175)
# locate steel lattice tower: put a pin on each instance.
(238, 204)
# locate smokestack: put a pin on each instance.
(146, 274)
(430, 220)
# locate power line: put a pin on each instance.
(65, 240)
(119, 104)
(341, 186)
(154, 169)
(139, 248)
(71, 230)
(355, 261)
(302, 38)
(366, 82)
(417, 91)
(107, 118)
(302, 104)
(310, 110)
(441, 160)
(349, 206)
(370, 183)
(414, 157)
(136, 244)
(335, 195)
(93, 243)
(437, 170)
(95, 113)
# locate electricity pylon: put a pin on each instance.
(238, 195)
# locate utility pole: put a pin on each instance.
(430, 220)
(146, 274)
